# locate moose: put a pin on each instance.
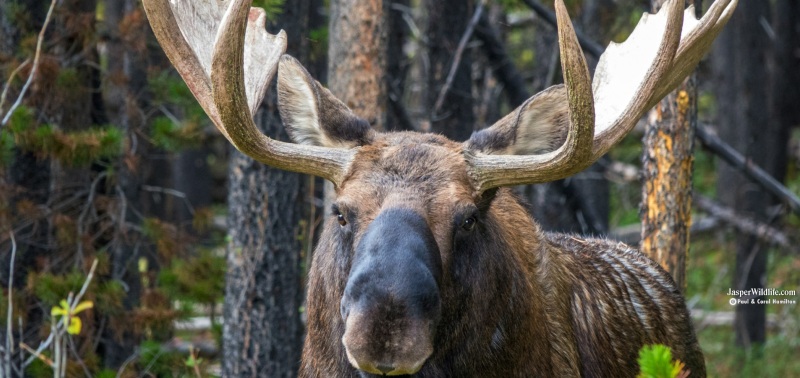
(428, 265)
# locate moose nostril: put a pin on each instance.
(344, 310)
(385, 369)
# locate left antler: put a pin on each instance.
(227, 58)
(630, 78)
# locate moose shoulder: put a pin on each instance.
(428, 266)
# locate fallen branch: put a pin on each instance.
(717, 215)
(744, 164)
(742, 223)
(632, 234)
(703, 319)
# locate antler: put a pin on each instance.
(228, 59)
(630, 78)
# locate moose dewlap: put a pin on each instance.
(427, 265)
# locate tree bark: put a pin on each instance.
(447, 21)
(357, 57)
(742, 90)
(262, 334)
(397, 68)
(667, 167)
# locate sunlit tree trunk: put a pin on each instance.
(667, 167)
(357, 57)
(357, 65)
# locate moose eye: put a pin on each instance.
(339, 216)
(469, 223)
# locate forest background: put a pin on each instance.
(129, 228)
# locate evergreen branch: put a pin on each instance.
(37, 55)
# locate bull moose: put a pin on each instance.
(428, 265)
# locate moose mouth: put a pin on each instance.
(391, 354)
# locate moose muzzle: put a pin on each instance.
(391, 304)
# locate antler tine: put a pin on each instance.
(489, 171)
(229, 81)
(699, 34)
(640, 100)
(630, 78)
(169, 34)
(695, 41)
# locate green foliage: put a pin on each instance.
(160, 362)
(39, 369)
(106, 373)
(777, 358)
(6, 148)
(166, 133)
(169, 89)
(655, 361)
(705, 173)
(69, 78)
(273, 8)
(180, 279)
(20, 120)
(52, 288)
(627, 196)
(109, 294)
(319, 42)
(76, 149)
(175, 137)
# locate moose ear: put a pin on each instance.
(312, 115)
(537, 126)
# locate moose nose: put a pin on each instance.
(391, 303)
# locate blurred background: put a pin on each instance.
(117, 192)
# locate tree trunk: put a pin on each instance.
(397, 66)
(447, 21)
(125, 95)
(667, 166)
(742, 91)
(262, 335)
(357, 57)
(357, 64)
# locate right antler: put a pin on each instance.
(630, 78)
(228, 59)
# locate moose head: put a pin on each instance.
(427, 265)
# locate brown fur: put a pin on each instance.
(516, 302)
